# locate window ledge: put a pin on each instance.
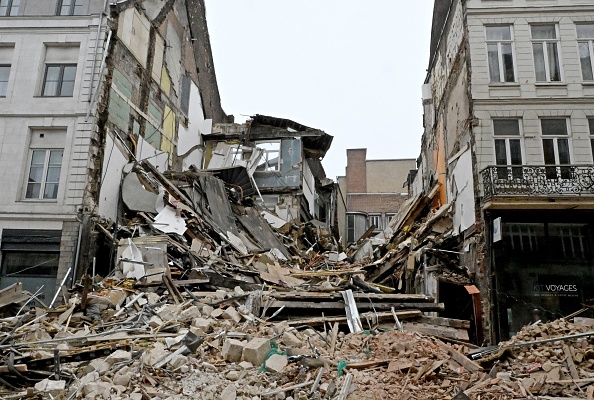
(588, 83)
(553, 84)
(504, 85)
(44, 201)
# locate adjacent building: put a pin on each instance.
(507, 155)
(89, 88)
(371, 192)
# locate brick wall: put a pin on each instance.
(67, 248)
(375, 203)
(356, 171)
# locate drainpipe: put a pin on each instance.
(103, 13)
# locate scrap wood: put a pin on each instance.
(459, 357)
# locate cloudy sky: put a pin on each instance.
(352, 68)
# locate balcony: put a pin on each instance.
(538, 180)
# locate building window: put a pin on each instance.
(376, 220)
(4, 75)
(59, 80)
(500, 53)
(545, 47)
(44, 174)
(9, 8)
(585, 35)
(270, 160)
(70, 7)
(508, 147)
(555, 144)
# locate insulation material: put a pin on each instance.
(168, 221)
(462, 193)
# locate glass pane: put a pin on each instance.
(3, 10)
(515, 150)
(554, 69)
(30, 263)
(35, 174)
(65, 8)
(591, 125)
(543, 32)
(493, 55)
(539, 62)
(506, 127)
(56, 157)
(592, 148)
(33, 190)
(4, 73)
(508, 62)
(500, 152)
(69, 73)
(554, 126)
(14, 10)
(78, 8)
(51, 191)
(38, 157)
(67, 88)
(52, 77)
(585, 31)
(3, 88)
(563, 146)
(549, 151)
(53, 175)
(585, 60)
(498, 33)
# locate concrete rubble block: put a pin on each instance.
(202, 324)
(53, 388)
(216, 313)
(291, 340)
(135, 396)
(207, 310)
(233, 350)
(99, 365)
(98, 389)
(168, 312)
(122, 377)
(110, 297)
(256, 351)
(232, 375)
(232, 314)
(246, 365)
(155, 322)
(156, 354)
(189, 314)
(118, 356)
(230, 393)
(276, 363)
(178, 361)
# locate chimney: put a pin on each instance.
(356, 171)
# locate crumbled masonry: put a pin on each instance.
(188, 311)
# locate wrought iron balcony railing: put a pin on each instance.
(541, 180)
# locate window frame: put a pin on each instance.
(500, 58)
(516, 172)
(12, 8)
(558, 169)
(265, 157)
(546, 58)
(72, 7)
(370, 221)
(44, 175)
(591, 131)
(589, 41)
(60, 85)
(2, 95)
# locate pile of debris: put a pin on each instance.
(211, 346)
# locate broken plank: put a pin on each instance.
(342, 319)
(360, 305)
(434, 330)
(570, 364)
(460, 358)
(451, 322)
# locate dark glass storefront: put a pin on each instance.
(543, 270)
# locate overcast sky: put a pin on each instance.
(351, 68)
